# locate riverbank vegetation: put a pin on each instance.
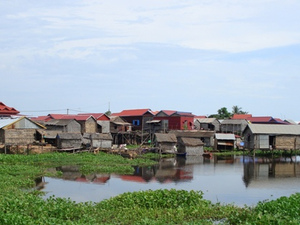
(21, 203)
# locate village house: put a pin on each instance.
(165, 142)
(98, 140)
(207, 124)
(64, 125)
(18, 131)
(69, 141)
(272, 136)
(207, 137)
(234, 126)
(224, 141)
(190, 146)
(174, 120)
(137, 118)
(103, 121)
(88, 123)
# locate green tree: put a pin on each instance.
(238, 110)
(222, 114)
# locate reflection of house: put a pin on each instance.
(233, 126)
(165, 141)
(18, 131)
(69, 140)
(207, 124)
(97, 140)
(190, 146)
(264, 136)
(224, 141)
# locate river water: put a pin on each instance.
(240, 180)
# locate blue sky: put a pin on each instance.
(195, 56)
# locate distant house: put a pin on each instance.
(69, 140)
(47, 136)
(64, 125)
(98, 140)
(207, 137)
(272, 136)
(88, 123)
(207, 124)
(165, 142)
(175, 120)
(103, 121)
(18, 131)
(137, 117)
(6, 111)
(117, 124)
(190, 146)
(265, 120)
(224, 141)
(234, 126)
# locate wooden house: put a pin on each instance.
(117, 124)
(272, 136)
(69, 140)
(103, 121)
(88, 123)
(18, 131)
(190, 146)
(224, 141)
(165, 142)
(137, 117)
(207, 137)
(235, 126)
(47, 136)
(64, 125)
(175, 120)
(207, 124)
(98, 140)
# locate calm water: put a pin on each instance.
(233, 179)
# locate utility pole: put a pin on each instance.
(67, 111)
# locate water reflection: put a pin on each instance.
(227, 179)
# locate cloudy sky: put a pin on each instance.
(195, 56)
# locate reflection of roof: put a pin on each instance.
(133, 178)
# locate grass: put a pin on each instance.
(19, 204)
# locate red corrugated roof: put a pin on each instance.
(42, 118)
(260, 119)
(4, 109)
(241, 116)
(97, 116)
(168, 112)
(70, 117)
(200, 117)
(133, 112)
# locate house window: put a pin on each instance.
(136, 122)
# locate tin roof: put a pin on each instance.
(234, 121)
(206, 120)
(165, 137)
(241, 116)
(274, 129)
(70, 116)
(222, 136)
(191, 141)
(97, 116)
(8, 121)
